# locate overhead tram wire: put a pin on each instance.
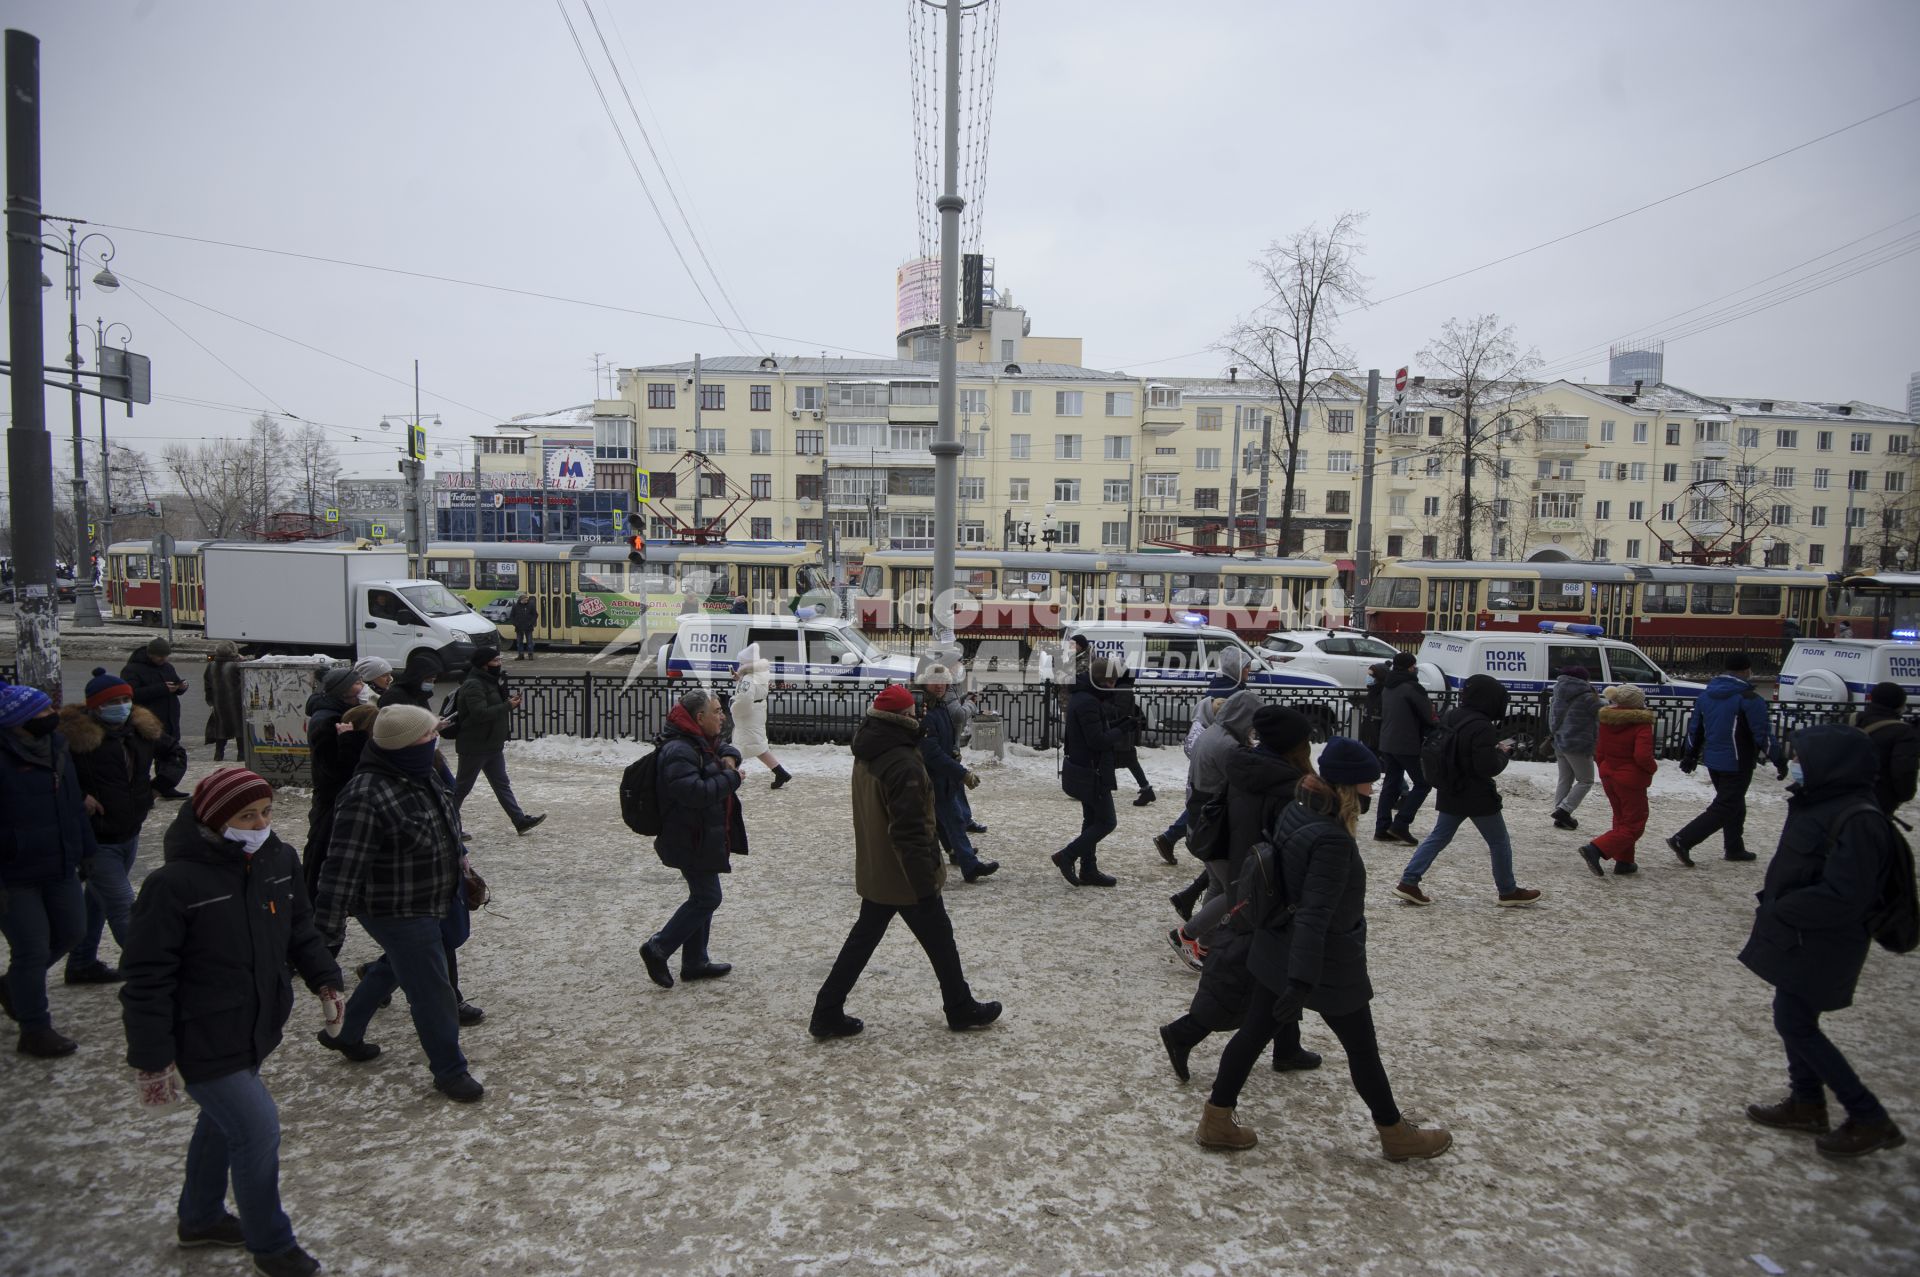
(1608, 221)
(620, 135)
(665, 179)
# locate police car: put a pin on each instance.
(706, 646)
(1344, 655)
(1842, 671)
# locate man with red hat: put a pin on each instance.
(897, 869)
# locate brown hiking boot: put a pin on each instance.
(1519, 896)
(1411, 893)
(1403, 1141)
(1856, 1139)
(1219, 1130)
(1792, 1115)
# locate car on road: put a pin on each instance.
(1344, 655)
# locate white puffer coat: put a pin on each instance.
(750, 686)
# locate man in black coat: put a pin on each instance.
(1406, 716)
(414, 685)
(1474, 755)
(523, 616)
(1810, 936)
(701, 830)
(1086, 774)
(1895, 743)
(157, 688)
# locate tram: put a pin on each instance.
(134, 583)
(1876, 605)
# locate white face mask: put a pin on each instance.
(251, 839)
(1796, 774)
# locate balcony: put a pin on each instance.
(913, 413)
(1560, 435)
(1712, 449)
(1160, 428)
(1559, 485)
(1405, 440)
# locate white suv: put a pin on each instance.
(1343, 655)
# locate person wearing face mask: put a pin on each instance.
(118, 751)
(484, 706)
(393, 865)
(44, 835)
(415, 683)
(701, 830)
(1309, 952)
(207, 997)
(157, 686)
(375, 676)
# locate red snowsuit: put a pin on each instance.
(1624, 755)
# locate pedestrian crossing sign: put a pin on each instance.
(333, 515)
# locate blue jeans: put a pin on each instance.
(1096, 822)
(1178, 828)
(42, 921)
(1492, 827)
(950, 816)
(692, 923)
(1401, 793)
(238, 1135)
(523, 642)
(109, 900)
(415, 962)
(494, 766)
(1814, 1062)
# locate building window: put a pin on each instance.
(1749, 437)
(972, 532)
(1857, 518)
(710, 441)
(1430, 506)
(1340, 462)
(1018, 490)
(1603, 510)
(1639, 432)
(1670, 472)
(1066, 489)
(762, 529)
(1599, 547)
(1020, 447)
(1896, 481)
(1119, 403)
(1606, 432)
(1637, 471)
(1339, 502)
(1786, 438)
(806, 487)
(1396, 546)
(1860, 441)
(1898, 444)
(1162, 487)
(1069, 530)
(1783, 476)
(713, 396)
(1666, 511)
(1006, 350)
(973, 401)
(1436, 427)
(1435, 466)
(1340, 421)
(1116, 491)
(806, 398)
(1335, 541)
(1022, 402)
(1397, 504)
(1113, 532)
(808, 529)
(761, 441)
(974, 443)
(760, 399)
(918, 394)
(809, 443)
(1429, 547)
(1816, 554)
(1822, 477)
(663, 439)
(760, 487)
(660, 394)
(1557, 505)
(910, 438)
(1823, 440)
(1633, 549)
(1857, 480)
(1067, 403)
(1206, 498)
(1636, 511)
(612, 438)
(1119, 448)
(1206, 418)
(1066, 447)
(1206, 458)
(1783, 516)
(1673, 434)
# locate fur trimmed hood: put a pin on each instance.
(85, 733)
(1620, 716)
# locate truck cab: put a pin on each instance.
(398, 616)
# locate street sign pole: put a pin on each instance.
(1363, 548)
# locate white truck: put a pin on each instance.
(336, 599)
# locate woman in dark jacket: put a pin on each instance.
(1810, 936)
(206, 999)
(1310, 952)
(44, 835)
(220, 685)
(1086, 771)
(701, 830)
(326, 726)
(1127, 716)
(343, 759)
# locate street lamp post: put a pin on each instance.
(86, 605)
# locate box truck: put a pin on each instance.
(336, 599)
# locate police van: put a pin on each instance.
(706, 646)
(1531, 662)
(1843, 671)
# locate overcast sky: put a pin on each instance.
(1141, 154)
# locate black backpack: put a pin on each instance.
(1439, 757)
(1894, 920)
(452, 729)
(640, 794)
(1260, 892)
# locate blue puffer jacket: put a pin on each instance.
(1729, 730)
(44, 831)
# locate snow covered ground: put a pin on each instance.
(1592, 1057)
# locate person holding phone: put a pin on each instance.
(157, 688)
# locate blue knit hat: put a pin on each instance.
(1346, 761)
(104, 687)
(18, 704)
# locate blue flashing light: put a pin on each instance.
(1909, 635)
(1568, 627)
(1195, 619)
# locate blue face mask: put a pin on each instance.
(1796, 774)
(116, 713)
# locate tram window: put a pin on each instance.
(603, 578)
(136, 567)
(455, 574)
(1029, 585)
(1561, 655)
(704, 578)
(1627, 666)
(498, 574)
(1402, 591)
(1713, 600)
(1510, 594)
(1140, 587)
(976, 581)
(872, 580)
(1193, 589)
(1173, 654)
(1667, 598)
(1759, 600)
(1563, 596)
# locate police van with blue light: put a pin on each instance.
(1840, 671)
(1531, 662)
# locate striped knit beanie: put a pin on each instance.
(18, 704)
(220, 795)
(104, 687)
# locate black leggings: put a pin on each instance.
(1139, 774)
(1189, 1032)
(1355, 1031)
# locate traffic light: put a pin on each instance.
(636, 539)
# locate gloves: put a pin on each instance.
(1688, 764)
(1287, 1007)
(334, 1004)
(158, 1090)
(1779, 769)
(973, 780)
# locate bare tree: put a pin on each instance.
(1287, 342)
(1478, 369)
(314, 466)
(232, 485)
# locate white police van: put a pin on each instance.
(1531, 662)
(706, 646)
(1843, 671)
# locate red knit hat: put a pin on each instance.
(104, 687)
(220, 795)
(896, 699)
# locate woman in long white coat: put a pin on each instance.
(751, 683)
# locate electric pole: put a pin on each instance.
(946, 446)
(1363, 544)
